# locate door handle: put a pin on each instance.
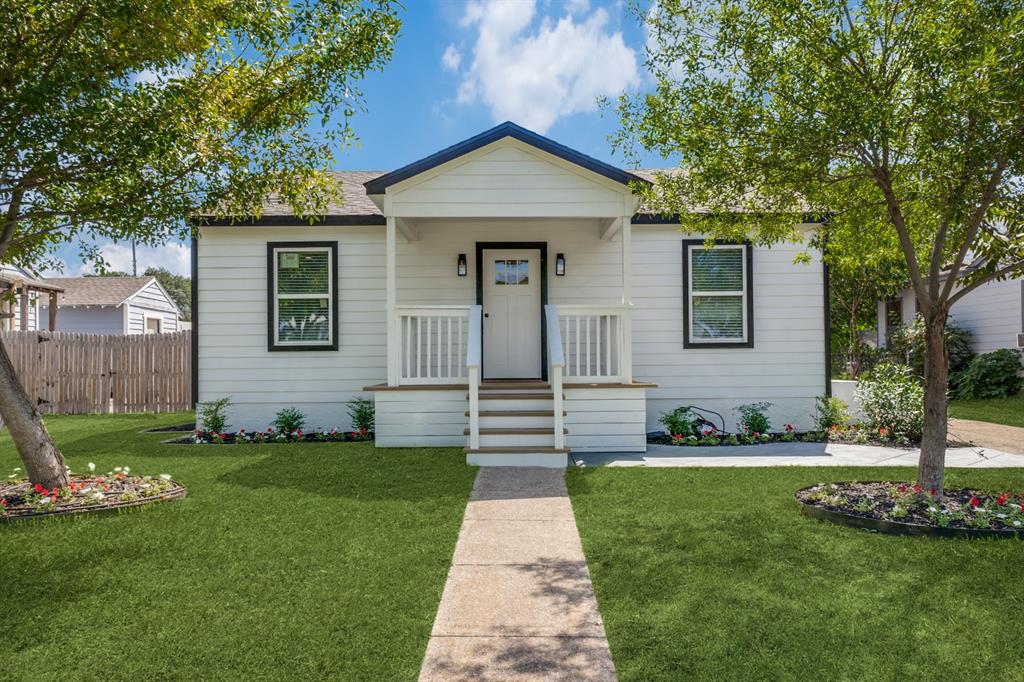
(487, 314)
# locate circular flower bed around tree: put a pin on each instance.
(243, 437)
(117, 489)
(908, 509)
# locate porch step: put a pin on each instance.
(515, 385)
(501, 395)
(518, 413)
(538, 431)
(512, 437)
(518, 457)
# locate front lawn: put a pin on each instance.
(1009, 411)
(713, 574)
(299, 561)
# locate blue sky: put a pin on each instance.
(459, 67)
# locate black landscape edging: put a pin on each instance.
(176, 493)
(897, 528)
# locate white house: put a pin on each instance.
(993, 313)
(504, 294)
(115, 305)
(23, 296)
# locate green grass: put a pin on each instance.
(1009, 411)
(713, 574)
(307, 561)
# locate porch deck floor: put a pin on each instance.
(518, 603)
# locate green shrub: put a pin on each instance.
(752, 417)
(362, 413)
(892, 398)
(288, 420)
(680, 422)
(830, 411)
(213, 414)
(906, 345)
(992, 375)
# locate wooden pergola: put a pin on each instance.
(14, 282)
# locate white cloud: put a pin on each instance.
(451, 59)
(577, 6)
(534, 74)
(174, 257)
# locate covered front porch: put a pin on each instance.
(511, 337)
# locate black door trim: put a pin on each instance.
(543, 248)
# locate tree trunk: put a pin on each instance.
(931, 466)
(43, 461)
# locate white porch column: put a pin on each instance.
(627, 299)
(391, 301)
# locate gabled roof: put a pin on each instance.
(100, 290)
(506, 129)
(12, 274)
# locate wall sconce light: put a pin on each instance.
(462, 269)
(560, 265)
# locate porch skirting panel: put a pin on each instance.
(421, 418)
(606, 419)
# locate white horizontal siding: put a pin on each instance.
(786, 366)
(421, 418)
(151, 302)
(610, 420)
(509, 179)
(232, 328)
(34, 314)
(994, 314)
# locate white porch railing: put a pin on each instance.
(596, 343)
(556, 360)
(433, 343)
(473, 359)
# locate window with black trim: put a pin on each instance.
(718, 307)
(302, 292)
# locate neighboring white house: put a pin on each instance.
(29, 292)
(993, 313)
(115, 305)
(514, 260)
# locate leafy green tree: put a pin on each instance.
(120, 118)
(909, 112)
(178, 286)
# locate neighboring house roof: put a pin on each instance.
(498, 132)
(11, 274)
(104, 291)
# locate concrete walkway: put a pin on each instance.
(518, 603)
(987, 435)
(794, 454)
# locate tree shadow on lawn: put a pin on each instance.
(359, 473)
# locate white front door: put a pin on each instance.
(511, 303)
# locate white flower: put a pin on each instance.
(1017, 523)
(144, 486)
(97, 496)
(13, 476)
(126, 470)
(92, 466)
(85, 490)
(1001, 516)
(933, 509)
(118, 469)
(165, 477)
(46, 500)
(17, 468)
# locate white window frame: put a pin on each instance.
(331, 250)
(146, 317)
(746, 339)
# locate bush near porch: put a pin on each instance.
(282, 563)
(713, 574)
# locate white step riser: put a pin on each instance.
(515, 405)
(518, 459)
(517, 440)
(517, 422)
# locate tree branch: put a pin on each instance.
(1008, 270)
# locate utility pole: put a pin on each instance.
(135, 268)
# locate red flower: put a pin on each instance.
(39, 488)
(975, 502)
(756, 434)
(789, 428)
(903, 487)
(1001, 500)
(882, 430)
(916, 488)
(3, 501)
(932, 491)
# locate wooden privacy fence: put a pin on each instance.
(67, 372)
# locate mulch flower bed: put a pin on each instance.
(243, 437)
(908, 508)
(710, 437)
(117, 489)
(176, 428)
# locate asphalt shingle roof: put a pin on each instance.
(98, 290)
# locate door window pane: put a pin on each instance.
(511, 272)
